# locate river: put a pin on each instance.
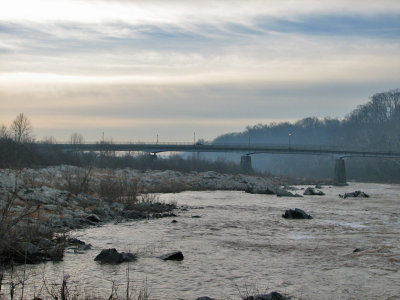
(241, 244)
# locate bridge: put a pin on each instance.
(245, 149)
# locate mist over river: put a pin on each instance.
(241, 242)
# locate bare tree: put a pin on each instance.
(77, 138)
(4, 133)
(21, 129)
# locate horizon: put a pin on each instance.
(138, 69)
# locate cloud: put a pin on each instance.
(183, 12)
(212, 65)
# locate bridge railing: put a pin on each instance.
(246, 147)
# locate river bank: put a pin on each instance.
(39, 206)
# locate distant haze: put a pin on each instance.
(135, 69)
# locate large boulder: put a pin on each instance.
(177, 255)
(356, 194)
(297, 213)
(45, 244)
(134, 214)
(28, 252)
(79, 245)
(258, 190)
(112, 256)
(312, 192)
(285, 193)
(29, 248)
(94, 218)
(270, 296)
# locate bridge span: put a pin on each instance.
(245, 149)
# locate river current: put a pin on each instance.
(239, 244)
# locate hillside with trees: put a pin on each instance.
(374, 125)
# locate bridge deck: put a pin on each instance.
(240, 148)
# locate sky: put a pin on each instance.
(135, 69)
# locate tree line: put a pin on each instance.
(374, 125)
(18, 149)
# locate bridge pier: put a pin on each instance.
(245, 164)
(339, 176)
(152, 156)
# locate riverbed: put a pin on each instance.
(237, 243)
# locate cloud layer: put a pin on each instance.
(138, 66)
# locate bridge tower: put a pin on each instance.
(339, 176)
(245, 164)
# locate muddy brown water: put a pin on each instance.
(241, 244)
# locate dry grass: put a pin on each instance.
(120, 189)
(14, 287)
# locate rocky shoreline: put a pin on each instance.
(38, 206)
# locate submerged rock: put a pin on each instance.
(204, 298)
(312, 192)
(355, 194)
(270, 296)
(177, 255)
(112, 256)
(297, 213)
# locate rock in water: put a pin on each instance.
(270, 296)
(112, 256)
(84, 247)
(45, 244)
(204, 298)
(297, 213)
(358, 250)
(284, 193)
(94, 218)
(177, 255)
(252, 190)
(127, 257)
(57, 252)
(355, 194)
(312, 192)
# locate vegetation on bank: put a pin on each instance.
(35, 213)
(15, 155)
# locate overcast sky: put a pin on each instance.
(135, 69)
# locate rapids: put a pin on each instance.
(241, 244)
